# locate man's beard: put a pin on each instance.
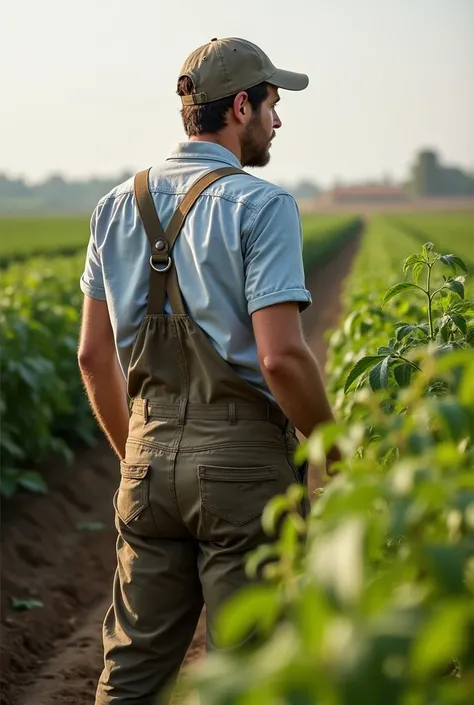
(255, 144)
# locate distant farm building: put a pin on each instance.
(369, 194)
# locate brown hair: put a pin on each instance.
(212, 117)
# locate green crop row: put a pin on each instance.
(22, 238)
(376, 266)
(324, 234)
(371, 599)
(43, 409)
(448, 231)
(385, 245)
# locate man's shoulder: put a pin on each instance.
(255, 191)
(122, 189)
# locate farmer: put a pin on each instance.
(193, 288)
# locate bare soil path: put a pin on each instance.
(59, 549)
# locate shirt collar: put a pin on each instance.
(205, 151)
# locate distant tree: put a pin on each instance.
(426, 174)
(12, 187)
(305, 189)
(430, 178)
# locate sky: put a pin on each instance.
(87, 87)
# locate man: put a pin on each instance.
(193, 289)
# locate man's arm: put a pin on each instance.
(101, 373)
(290, 369)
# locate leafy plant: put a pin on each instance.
(324, 234)
(371, 599)
(446, 324)
(43, 408)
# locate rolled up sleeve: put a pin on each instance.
(273, 256)
(92, 279)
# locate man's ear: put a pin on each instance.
(241, 108)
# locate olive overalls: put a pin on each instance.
(205, 452)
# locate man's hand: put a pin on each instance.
(101, 373)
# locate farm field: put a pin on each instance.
(399, 482)
(453, 230)
(21, 238)
(25, 237)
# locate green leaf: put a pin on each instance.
(441, 639)
(454, 262)
(411, 260)
(455, 285)
(445, 259)
(460, 322)
(8, 482)
(417, 270)
(378, 377)
(460, 263)
(427, 248)
(273, 511)
(337, 559)
(259, 557)
(424, 328)
(348, 323)
(448, 565)
(403, 374)
(360, 367)
(403, 331)
(443, 333)
(33, 481)
(454, 417)
(22, 605)
(8, 445)
(398, 289)
(256, 606)
(90, 526)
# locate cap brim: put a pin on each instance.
(289, 80)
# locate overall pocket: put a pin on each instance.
(236, 495)
(132, 496)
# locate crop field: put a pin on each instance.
(369, 598)
(21, 238)
(453, 230)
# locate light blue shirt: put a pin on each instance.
(240, 250)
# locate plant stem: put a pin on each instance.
(410, 362)
(430, 312)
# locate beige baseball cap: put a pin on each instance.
(224, 67)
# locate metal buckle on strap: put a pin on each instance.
(160, 269)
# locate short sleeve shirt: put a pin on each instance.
(239, 250)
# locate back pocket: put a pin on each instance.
(237, 495)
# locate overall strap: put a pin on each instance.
(163, 277)
(156, 236)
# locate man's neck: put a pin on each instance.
(232, 144)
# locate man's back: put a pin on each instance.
(239, 251)
(202, 451)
